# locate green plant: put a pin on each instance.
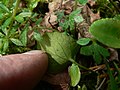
(107, 31)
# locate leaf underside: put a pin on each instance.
(60, 48)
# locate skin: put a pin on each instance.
(22, 71)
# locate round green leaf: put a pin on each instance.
(107, 31)
(83, 41)
(60, 47)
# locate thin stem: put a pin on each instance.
(73, 61)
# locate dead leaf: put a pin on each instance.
(62, 79)
(91, 2)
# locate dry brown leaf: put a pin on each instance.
(94, 16)
(61, 79)
(91, 2)
(113, 54)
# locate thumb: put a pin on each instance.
(22, 71)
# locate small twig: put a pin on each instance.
(101, 84)
(82, 67)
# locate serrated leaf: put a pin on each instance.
(23, 37)
(107, 31)
(60, 46)
(75, 74)
(83, 41)
(16, 42)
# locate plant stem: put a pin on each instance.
(13, 15)
(73, 61)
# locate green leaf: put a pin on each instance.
(4, 8)
(117, 17)
(19, 18)
(25, 14)
(16, 42)
(6, 23)
(1, 35)
(1, 15)
(84, 87)
(75, 74)
(37, 36)
(103, 51)
(6, 45)
(113, 83)
(23, 37)
(97, 51)
(74, 14)
(1, 44)
(79, 87)
(86, 50)
(78, 19)
(83, 41)
(60, 46)
(107, 31)
(38, 21)
(83, 2)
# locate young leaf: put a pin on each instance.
(19, 19)
(107, 31)
(84, 87)
(25, 14)
(78, 19)
(23, 37)
(83, 2)
(6, 45)
(4, 8)
(79, 87)
(37, 36)
(75, 74)
(6, 23)
(60, 46)
(16, 42)
(83, 41)
(38, 21)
